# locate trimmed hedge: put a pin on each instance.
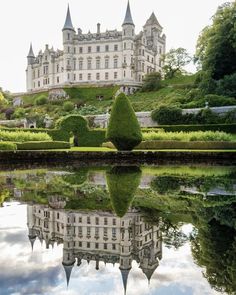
(43, 145)
(192, 145)
(228, 128)
(7, 146)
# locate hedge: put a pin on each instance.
(228, 128)
(192, 145)
(43, 145)
(7, 146)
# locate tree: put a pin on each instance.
(174, 61)
(123, 129)
(152, 82)
(216, 45)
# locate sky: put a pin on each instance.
(41, 22)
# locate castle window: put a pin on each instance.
(124, 32)
(74, 64)
(113, 246)
(107, 48)
(68, 36)
(89, 49)
(89, 76)
(68, 49)
(88, 231)
(33, 74)
(58, 81)
(97, 221)
(68, 62)
(106, 63)
(97, 64)
(96, 245)
(105, 246)
(81, 50)
(115, 63)
(98, 48)
(68, 76)
(88, 244)
(74, 49)
(88, 220)
(89, 66)
(133, 32)
(57, 68)
(124, 45)
(80, 232)
(74, 77)
(115, 75)
(148, 58)
(38, 83)
(142, 67)
(38, 73)
(98, 76)
(80, 77)
(115, 47)
(114, 221)
(80, 219)
(143, 53)
(105, 232)
(80, 65)
(105, 221)
(80, 244)
(96, 231)
(106, 76)
(124, 74)
(113, 232)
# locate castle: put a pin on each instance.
(97, 236)
(113, 57)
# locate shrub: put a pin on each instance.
(41, 100)
(122, 184)
(43, 145)
(123, 128)
(167, 115)
(190, 136)
(7, 146)
(152, 82)
(192, 145)
(227, 85)
(21, 136)
(68, 106)
(218, 100)
(19, 113)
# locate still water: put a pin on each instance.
(118, 230)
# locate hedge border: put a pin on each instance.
(43, 145)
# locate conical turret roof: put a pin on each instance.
(68, 270)
(68, 23)
(128, 17)
(125, 274)
(31, 53)
(152, 21)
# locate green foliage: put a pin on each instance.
(123, 129)
(73, 123)
(88, 110)
(227, 86)
(22, 136)
(174, 61)
(77, 177)
(189, 136)
(216, 40)
(122, 184)
(41, 100)
(43, 145)
(167, 115)
(68, 106)
(85, 94)
(19, 113)
(186, 145)
(152, 82)
(7, 146)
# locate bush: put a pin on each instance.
(167, 115)
(123, 128)
(152, 82)
(192, 145)
(7, 146)
(190, 136)
(122, 184)
(227, 85)
(19, 113)
(41, 100)
(68, 106)
(43, 145)
(21, 136)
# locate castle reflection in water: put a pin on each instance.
(98, 236)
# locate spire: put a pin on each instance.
(128, 17)
(125, 274)
(32, 240)
(31, 53)
(68, 23)
(68, 270)
(153, 21)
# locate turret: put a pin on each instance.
(30, 56)
(128, 24)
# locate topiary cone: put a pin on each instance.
(123, 128)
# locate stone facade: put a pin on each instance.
(101, 58)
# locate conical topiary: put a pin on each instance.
(123, 128)
(122, 184)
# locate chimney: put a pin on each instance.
(98, 28)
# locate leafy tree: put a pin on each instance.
(123, 129)
(216, 45)
(175, 60)
(152, 82)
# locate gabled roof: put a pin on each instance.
(128, 17)
(152, 21)
(68, 23)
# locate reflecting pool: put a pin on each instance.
(118, 230)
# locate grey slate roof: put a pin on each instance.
(31, 53)
(128, 17)
(152, 21)
(68, 23)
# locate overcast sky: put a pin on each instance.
(41, 22)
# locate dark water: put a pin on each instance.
(116, 230)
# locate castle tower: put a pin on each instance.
(29, 70)
(153, 31)
(128, 35)
(68, 32)
(30, 56)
